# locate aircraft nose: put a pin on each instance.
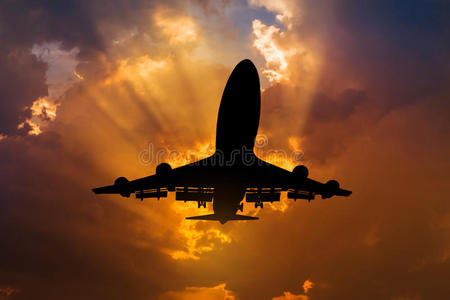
(244, 75)
(246, 65)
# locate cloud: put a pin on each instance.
(180, 29)
(22, 80)
(290, 296)
(285, 10)
(7, 292)
(41, 39)
(307, 285)
(341, 55)
(275, 57)
(218, 292)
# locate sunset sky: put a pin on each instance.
(93, 90)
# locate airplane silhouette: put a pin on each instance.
(233, 171)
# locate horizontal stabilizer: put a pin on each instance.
(214, 217)
(242, 217)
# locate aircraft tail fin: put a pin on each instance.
(214, 217)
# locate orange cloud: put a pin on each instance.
(290, 296)
(7, 292)
(197, 240)
(218, 292)
(307, 285)
(180, 29)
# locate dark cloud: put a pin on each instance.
(326, 125)
(22, 80)
(398, 49)
(59, 241)
(377, 56)
(89, 26)
(325, 109)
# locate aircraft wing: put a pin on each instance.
(124, 187)
(191, 182)
(326, 190)
(195, 182)
(267, 181)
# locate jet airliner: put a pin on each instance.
(233, 172)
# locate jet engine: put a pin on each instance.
(332, 185)
(163, 169)
(121, 184)
(300, 171)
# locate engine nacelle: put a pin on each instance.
(121, 183)
(163, 169)
(332, 185)
(300, 171)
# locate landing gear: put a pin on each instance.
(260, 204)
(201, 203)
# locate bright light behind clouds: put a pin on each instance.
(179, 28)
(61, 75)
(287, 56)
(276, 59)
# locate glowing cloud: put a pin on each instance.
(136, 70)
(218, 292)
(265, 42)
(307, 285)
(61, 68)
(78, 75)
(282, 8)
(196, 241)
(290, 296)
(34, 128)
(44, 109)
(180, 29)
(42, 112)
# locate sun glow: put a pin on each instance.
(180, 29)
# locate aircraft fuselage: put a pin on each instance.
(237, 127)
